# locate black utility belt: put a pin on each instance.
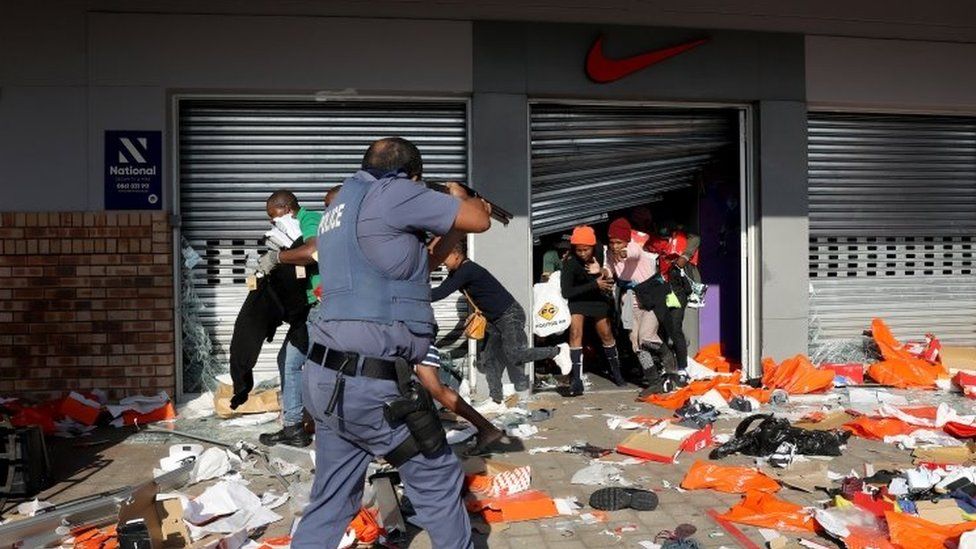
(348, 363)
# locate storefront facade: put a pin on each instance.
(248, 104)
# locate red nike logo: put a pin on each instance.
(603, 70)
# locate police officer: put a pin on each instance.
(375, 319)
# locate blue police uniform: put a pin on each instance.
(375, 303)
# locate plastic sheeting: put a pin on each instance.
(796, 376)
(910, 531)
(899, 368)
(731, 480)
(766, 511)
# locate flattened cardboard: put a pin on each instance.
(832, 421)
(959, 358)
(258, 402)
(944, 511)
(805, 476)
(665, 446)
(949, 455)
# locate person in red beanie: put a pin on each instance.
(586, 285)
(633, 266)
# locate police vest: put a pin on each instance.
(353, 288)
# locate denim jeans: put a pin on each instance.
(506, 347)
(290, 362)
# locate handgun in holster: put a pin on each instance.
(415, 408)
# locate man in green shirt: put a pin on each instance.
(282, 204)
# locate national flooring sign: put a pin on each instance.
(133, 170)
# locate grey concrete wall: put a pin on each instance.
(68, 73)
(784, 227)
(890, 74)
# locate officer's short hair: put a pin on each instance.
(394, 153)
(283, 198)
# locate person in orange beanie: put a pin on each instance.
(586, 285)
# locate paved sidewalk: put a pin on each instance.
(91, 469)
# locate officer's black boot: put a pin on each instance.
(576, 375)
(613, 359)
(292, 435)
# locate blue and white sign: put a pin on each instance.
(133, 170)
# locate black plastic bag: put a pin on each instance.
(771, 432)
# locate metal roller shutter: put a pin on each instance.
(233, 154)
(588, 160)
(892, 225)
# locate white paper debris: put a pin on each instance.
(649, 545)
(522, 430)
(30, 508)
(567, 506)
(232, 505)
(898, 487)
(923, 437)
(139, 404)
(273, 500)
(251, 420)
(598, 474)
(582, 416)
(213, 463)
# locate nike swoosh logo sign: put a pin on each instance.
(603, 70)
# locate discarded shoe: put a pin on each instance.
(616, 498)
(696, 414)
(291, 435)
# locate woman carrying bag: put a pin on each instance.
(586, 286)
(505, 345)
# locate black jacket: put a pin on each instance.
(279, 298)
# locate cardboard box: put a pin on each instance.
(665, 446)
(949, 455)
(850, 373)
(944, 511)
(959, 358)
(258, 402)
(164, 519)
(487, 478)
(530, 505)
(830, 422)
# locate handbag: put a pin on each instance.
(476, 323)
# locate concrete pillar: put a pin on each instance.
(784, 227)
(500, 171)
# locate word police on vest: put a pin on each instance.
(331, 219)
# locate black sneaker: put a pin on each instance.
(291, 435)
(614, 499)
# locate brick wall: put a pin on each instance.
(86, 301)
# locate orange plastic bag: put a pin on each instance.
(865, 538)
(910, 532)
(711, 356)
(731, 480)
(677, 399)
(163, 413)
(900, 368)
(877, 429)
(365, 525)
(81, 409)
(765, 511)
(796, 376)
(729, 392)
(905, 374)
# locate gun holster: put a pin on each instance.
(415, 408)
